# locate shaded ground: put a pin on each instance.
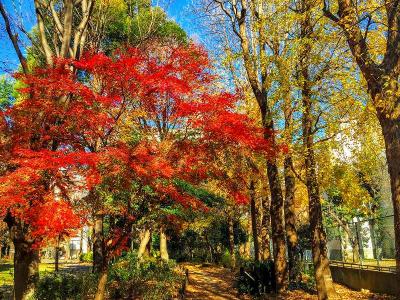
(210, 282)
(344, 292)
(217, 283)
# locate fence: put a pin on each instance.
(369, 243)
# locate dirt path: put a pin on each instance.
(210, 282)
(216, 283)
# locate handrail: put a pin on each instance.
(248, 275)
(363, 266)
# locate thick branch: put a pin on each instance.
(347, 19)
(42, 34)
(80, 35)
(14, 39)
(67, 32)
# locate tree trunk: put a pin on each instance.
(257, 78)
(231, 241)
(100, 260)
(26, 270)
(356, 251)
(56, 258)
(101, 286)
(277, 226)
(371, 224)
(247, 245)
(143, 243)
(90, 239)
(391, 134)
(67, 248)
(163, 245)
(323, 277)
(254, 221)
(11, 251)
(98, 244)
(322, 271)
(81, 243)
(290, 222)
(276, 207)
(290, 185)
(265, 225)
(149, 245)
(354, 241)
(26, 260)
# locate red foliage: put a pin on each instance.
(71, 130)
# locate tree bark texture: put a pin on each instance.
(231, 238)
(143, 243)
(265, 226)
(277, 225)
(290, 222)
(101, 286)
(253, 43)
(322, 271)
(56, 258)
(253, 213)
(98, 244)
(163, 245)
(391, 133)
(26, 259)
(26, 270)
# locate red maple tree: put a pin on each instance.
(105, 121)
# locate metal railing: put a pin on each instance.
(362, 266)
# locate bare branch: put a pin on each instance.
(67, 32)
(42, 33)
(14, 39)
(327, 12)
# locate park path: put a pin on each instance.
(217, 283)
(210, 282)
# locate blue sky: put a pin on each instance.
(176, 9)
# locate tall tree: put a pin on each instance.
(247, 21)
(381, 72)
(68, 41)
(45, 176)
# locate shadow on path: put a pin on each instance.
(210, 282)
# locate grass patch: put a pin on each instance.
(7, 271)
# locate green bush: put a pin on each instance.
(308, 280)
(65, 286)
(86, 257)
(148, 279)
(226, 259)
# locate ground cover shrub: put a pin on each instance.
(226, 259)
(308, 283)
(86, 257)
(65, 286)
(151, 278)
